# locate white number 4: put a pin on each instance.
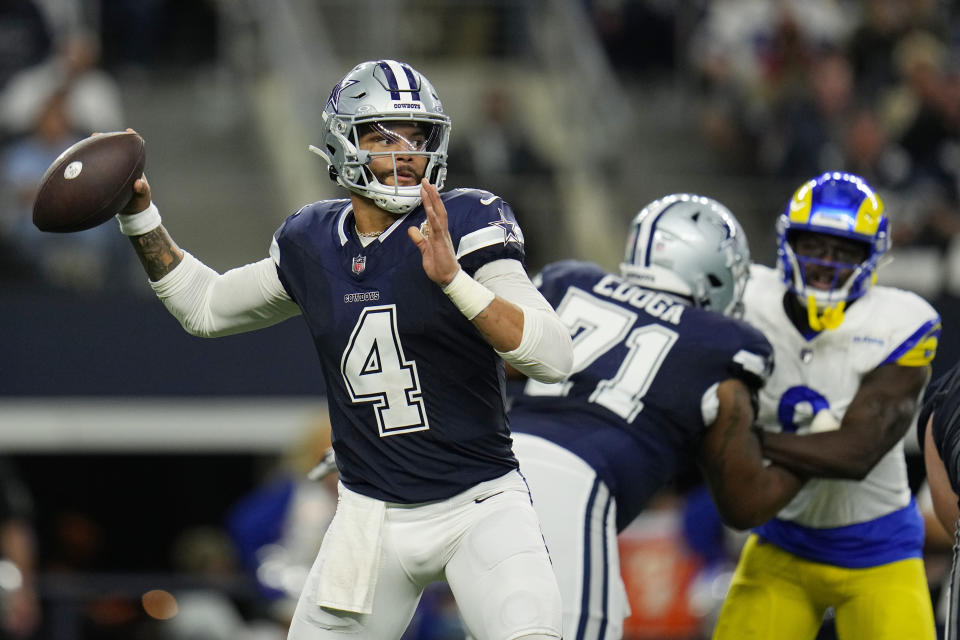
(376, 371)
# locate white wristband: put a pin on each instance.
(137, 224)
(469, 296)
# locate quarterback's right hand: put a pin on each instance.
(141, 196)
(141, 192)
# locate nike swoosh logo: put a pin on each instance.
(483, 499)
(486, 201)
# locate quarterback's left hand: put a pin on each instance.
(439, 260)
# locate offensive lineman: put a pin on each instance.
(411, 297)
(851, 362)
(663, 373)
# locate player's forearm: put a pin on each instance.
(544, 350)
(877, 418)
(527, 340)
(501, 323)
(747, 492)
(515, 319)
(822, 455)
(758, 500)
(872, 425)
(498, 320)
(158, 253)
(773, 491)
(141, 222)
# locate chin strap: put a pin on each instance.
(829, 319)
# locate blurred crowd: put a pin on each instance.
(60, 67)
(787, 89)
(52, 94)
(792, 88)
(783, 89)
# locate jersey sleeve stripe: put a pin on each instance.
(919, 349)
(753, 363)
(479, 239)
(275, 250)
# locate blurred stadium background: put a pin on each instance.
(158, 463)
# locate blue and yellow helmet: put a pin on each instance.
(842, 205)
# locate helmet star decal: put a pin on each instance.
(511, 233)
(334, 99)
(720, 225)
(692, 246)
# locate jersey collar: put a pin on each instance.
(346, 222)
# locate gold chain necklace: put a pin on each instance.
(371, 234)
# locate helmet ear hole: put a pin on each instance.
(714, 280)
(332, 171)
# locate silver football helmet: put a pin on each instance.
(692, 246)
(372, 94)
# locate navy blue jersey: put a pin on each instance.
(942, 399)
(416, 395)
(643, 361)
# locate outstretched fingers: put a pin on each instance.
(433, 238)
(436, 212)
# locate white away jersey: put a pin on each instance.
(822, 371)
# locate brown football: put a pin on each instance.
(90, 182)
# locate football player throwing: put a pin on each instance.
(412, 298)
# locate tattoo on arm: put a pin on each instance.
(158, 253)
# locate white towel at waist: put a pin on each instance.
(350, 553)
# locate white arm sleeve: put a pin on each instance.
(210, 305)
(545, 352)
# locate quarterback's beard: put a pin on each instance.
(413, 177)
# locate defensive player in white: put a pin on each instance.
(664, 373)
(412, 298)
(851, 362)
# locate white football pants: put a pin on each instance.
(486, 543)
(579, 521)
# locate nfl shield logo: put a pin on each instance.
(359, 264)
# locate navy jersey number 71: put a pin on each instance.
(644, 364)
